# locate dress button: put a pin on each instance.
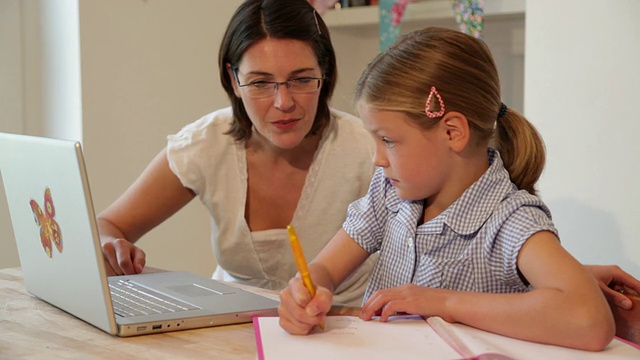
(409, 241)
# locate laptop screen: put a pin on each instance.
(54, 225)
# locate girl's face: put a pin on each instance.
(413, 159)
(284, 118)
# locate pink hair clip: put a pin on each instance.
(427, 105)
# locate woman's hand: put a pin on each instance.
(122, 257)
(298, 311)
(614, 282)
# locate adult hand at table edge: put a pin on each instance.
(615, 284)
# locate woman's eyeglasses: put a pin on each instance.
(262, 89)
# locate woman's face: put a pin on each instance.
(284, 118)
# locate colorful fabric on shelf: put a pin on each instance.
(391, 13)
(469, 16)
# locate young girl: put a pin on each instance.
(453, 215)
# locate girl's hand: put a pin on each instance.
(409, 299)
(298, 312)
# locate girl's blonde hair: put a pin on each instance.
(463, 71)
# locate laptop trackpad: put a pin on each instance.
(195, 290)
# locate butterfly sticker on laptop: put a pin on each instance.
(50, 232)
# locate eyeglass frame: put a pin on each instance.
(277, 84)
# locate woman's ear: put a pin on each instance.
(458, 131)
(232, 79)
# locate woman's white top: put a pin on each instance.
(214, 166)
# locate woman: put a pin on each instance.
(279, 155)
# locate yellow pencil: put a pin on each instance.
(301, 263)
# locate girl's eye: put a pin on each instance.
(388, 143)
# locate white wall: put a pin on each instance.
(581, 91)
(148, 68)
(52, 103)
(10, 108)
(10, 66)
(40, 91)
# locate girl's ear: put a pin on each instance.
(232, 78)
(458, 131)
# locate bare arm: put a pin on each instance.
(299, 313)
(565, 308)
(152, 198)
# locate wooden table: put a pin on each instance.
(31, 328)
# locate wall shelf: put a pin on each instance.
(419, 11)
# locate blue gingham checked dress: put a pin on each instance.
(472, 246)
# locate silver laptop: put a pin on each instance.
(53, 219)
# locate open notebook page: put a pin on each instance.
(480, 342)
(348, 337)
(406, 337)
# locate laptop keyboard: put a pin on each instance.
(130, 299)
